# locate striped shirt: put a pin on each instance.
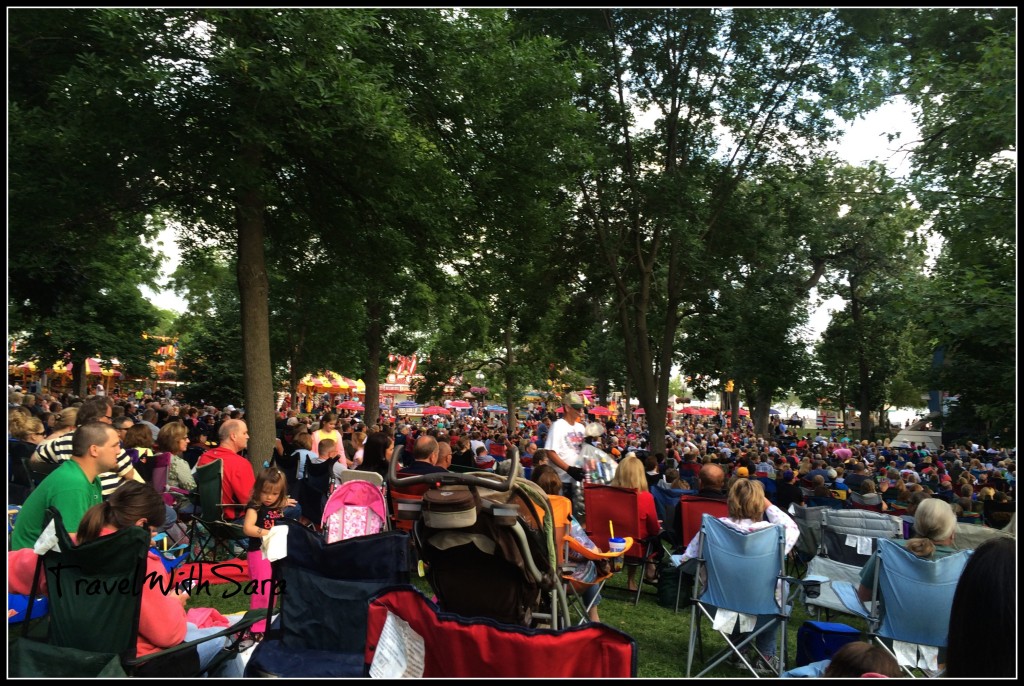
(59, 449)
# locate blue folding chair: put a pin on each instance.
(739, 572)
(912, 598)
(771, 488)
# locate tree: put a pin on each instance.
(80, 191)
(875, 258)
(654, 202)
(962, 77)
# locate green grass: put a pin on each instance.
(662, 636)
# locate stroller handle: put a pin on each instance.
(447, 478)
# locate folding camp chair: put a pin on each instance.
(692, 509)
(407, 635)
(738, 578)
(911, 602)
(576, 586)
(95, 599)
(323, 590)
(210, 532)
(611, 508)
(848, 539)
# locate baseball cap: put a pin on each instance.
(787, 475)
(573, 400)
(292, 421)
(742, 471)
(229, 408)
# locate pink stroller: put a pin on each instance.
(355, 508)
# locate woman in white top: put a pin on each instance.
(748, 507)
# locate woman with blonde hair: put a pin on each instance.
(748, 509)
(935, 525)
(25, 433)
(632, 474)
(65, 423)
(358, 441)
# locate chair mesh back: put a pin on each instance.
(742, 568)
(916, 594)
(327, 586)
(95, 590)
(208, 485)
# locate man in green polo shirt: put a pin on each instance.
(73, 487)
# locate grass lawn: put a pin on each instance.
(662, 636)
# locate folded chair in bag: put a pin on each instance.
(355, 508)
(740, 580)
(487, 549)
(610, 508)
(808, 520)
(407, 635)
(95, 599)
(848, 539)
(911, 602)
(323, 589)
(211, 536)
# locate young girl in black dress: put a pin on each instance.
(266, 505)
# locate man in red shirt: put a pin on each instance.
(238, 476)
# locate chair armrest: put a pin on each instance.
(247, 620)
(847, 594)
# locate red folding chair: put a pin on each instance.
(433, 644)
(691, 508)
(611, 507)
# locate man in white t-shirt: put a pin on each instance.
(566, 439)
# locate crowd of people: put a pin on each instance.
(95, 445)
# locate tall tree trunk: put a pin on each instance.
(510, 390)
(78, 376)
(253, 290)
(371, 375)
(759, 408)
(863, 371)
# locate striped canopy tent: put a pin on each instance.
(331, 382)
(92, 368)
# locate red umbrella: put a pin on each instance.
(706, 412)
(689, 410)
(744, 412)
(351, 405)
(600, 411)
(435, 409)
(639, 410)
(460, 404)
